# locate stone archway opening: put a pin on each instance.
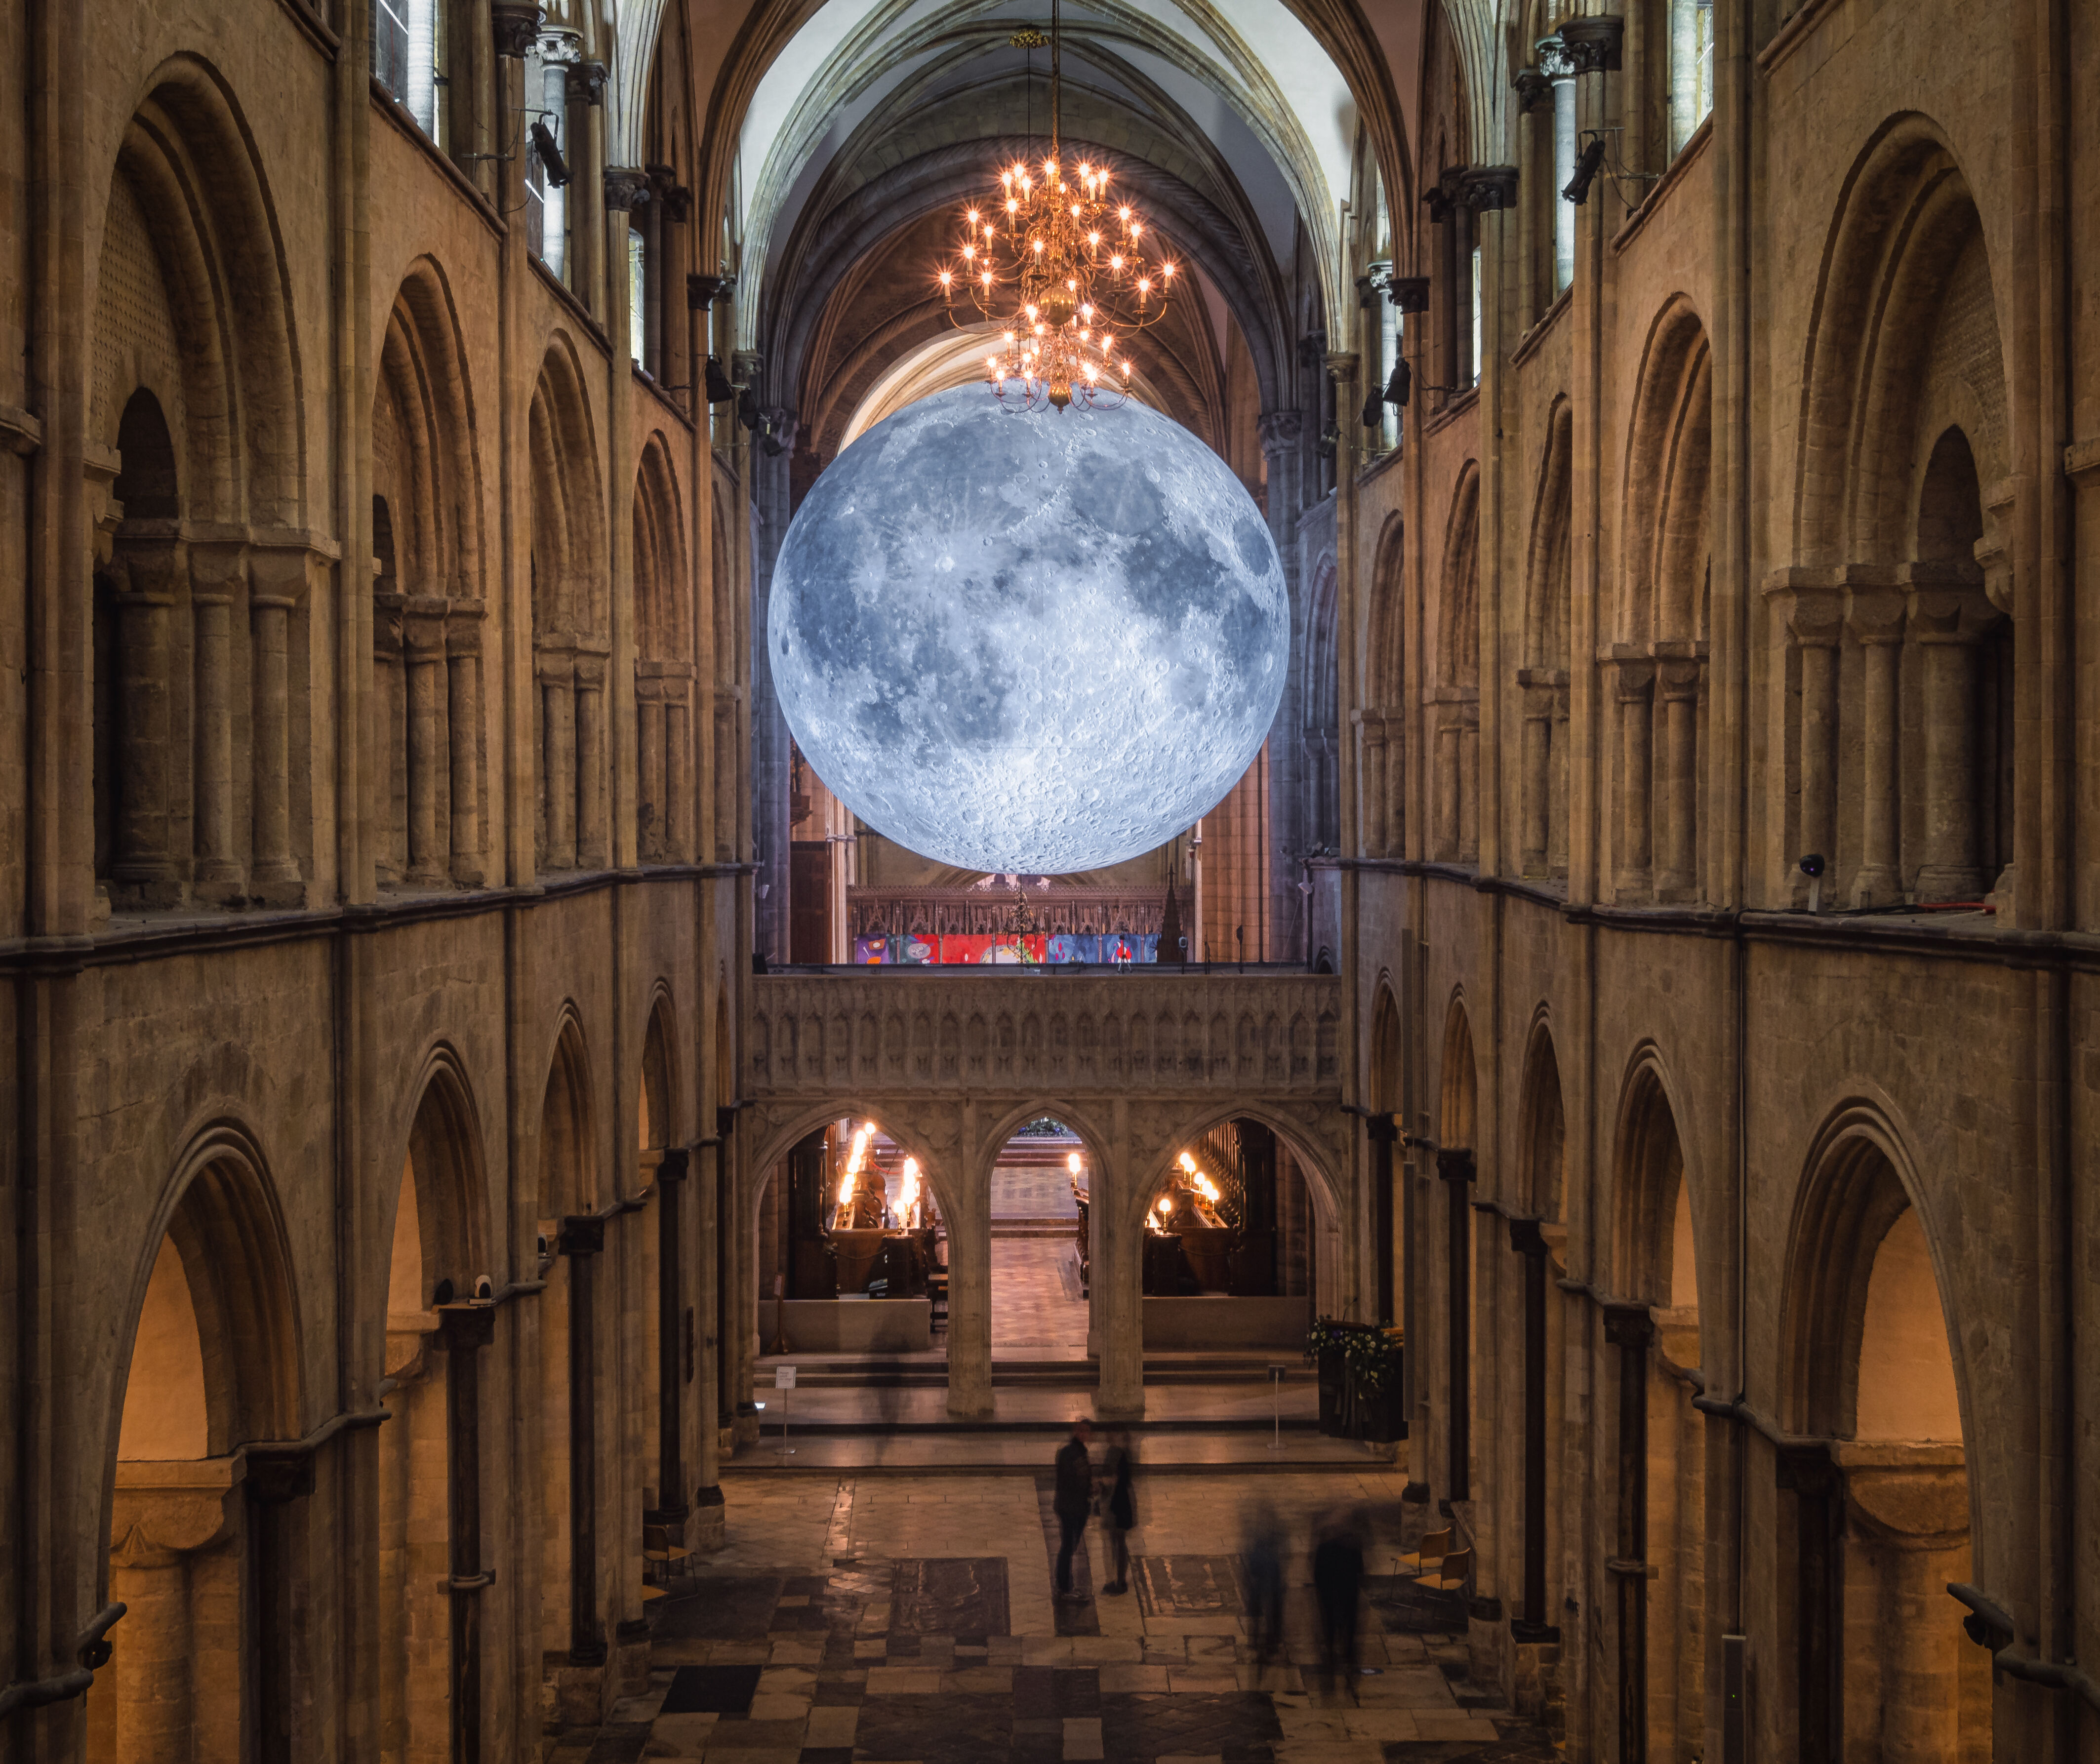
(1042, 1217)
(851, 1251)
(1230, 1263)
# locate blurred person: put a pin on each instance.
(1119, 1511)
(1262, 1551)
(1338, 1580)
(1074, 1500)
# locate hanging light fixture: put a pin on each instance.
(1065, 270)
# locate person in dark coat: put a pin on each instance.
(1262, 1556)
(1122, 1509)
(1074, 1499)
(1338, 1580)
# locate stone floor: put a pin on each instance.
(905, 1618)
(1036, 1310)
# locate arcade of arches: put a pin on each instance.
(1651, 970)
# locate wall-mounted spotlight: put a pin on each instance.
(720, 389)
(550, 155)
(1586, 165)
(1397, 390)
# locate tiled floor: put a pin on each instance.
(1036, 1310)
(1033, 1194)
(893, 1618)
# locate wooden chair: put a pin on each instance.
(662, 1556)
(1435, 1546)
(1448, 1576)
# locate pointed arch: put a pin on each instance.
(1542, 1126)
(657, 1106)
(568, 1143)
(1669, 465)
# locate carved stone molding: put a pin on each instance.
(626, 187)
(585, 82)
(516, 28)
(1595, 45)
(1485, 188)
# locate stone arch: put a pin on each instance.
(220, 1221)
(571, 622)
(1541, 1126)
(722, 578)
(1458, 1084)
(1907, 240)
(1658, 666)
(567, 1140)
(1902, 737)
(664, 672)
(1656, 1631)
(1867, 1336)
(191, 210)
(209, 1368)
(1651, 1192)
(1861, 1179)
(442, 1163)
(1543, 676)
(1320, 695)
(1456, 696)
(200, 539)
(429, 601)
(1385, 693)
(1388, 1049)
(941, 1173)
(658, 1112)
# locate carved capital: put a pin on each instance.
(1485, 188)
(466, 1328)
(516, 28)
(1280, 430)
(1532, 90)
(585, 83)
(1555, 62)
(1876, 614)
(702, 292)
(1595, 45)
(626, 187)
(1409, 294)
(582, 1234)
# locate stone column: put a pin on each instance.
(648, 765)
(1678, 681)
(589, 772)
(1534, 1625)
(1115, 1291)
(726, 772)
(390, 775)
(1449, 716)
(144, 872)
(1556, 811)
(463, 621)
(1372, 723)
(1633, 682)
(1909, 1522)
(1455, 1169)
(557, 669)
(1469, 776)
(969, 1308)
(1947, 621)
(677, 821)
(428, 757)
(466, 1329)
(671, 1362)
(1875, 617)
(1812, 619)
(585, 83)
(1536, 759)
(216, 580)
(279, 582)
(582, 1241)
(167, 1519)
(1282, 451)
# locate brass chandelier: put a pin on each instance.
(1060, 268)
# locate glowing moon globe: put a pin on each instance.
(1042, 642)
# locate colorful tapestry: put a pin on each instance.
(911, 950)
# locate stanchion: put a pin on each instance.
(1276, 1371)
(783, 1381)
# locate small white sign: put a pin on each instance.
(783, 1377)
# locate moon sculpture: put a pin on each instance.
(1047, 642)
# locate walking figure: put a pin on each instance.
(1074, 1499)
(1121, 1511)
(1338, 1579)
(1263, 1556)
